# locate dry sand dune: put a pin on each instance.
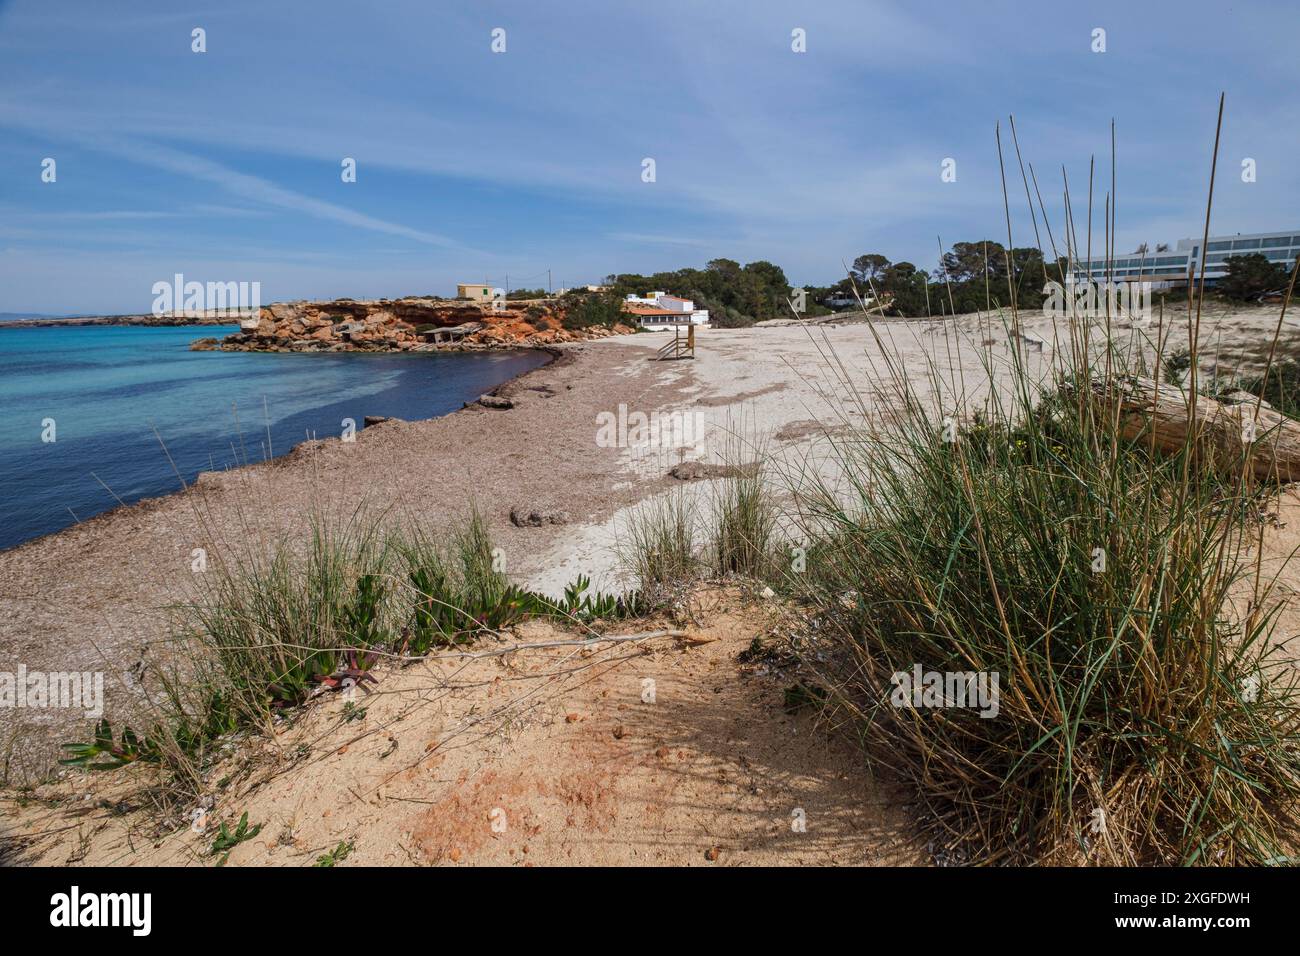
(661, 752)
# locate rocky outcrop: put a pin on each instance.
(402, 325)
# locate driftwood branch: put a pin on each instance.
(682, 636)
(1224, 436)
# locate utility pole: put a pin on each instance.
(507, 285)
(549, 288)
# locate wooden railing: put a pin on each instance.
(681, 347)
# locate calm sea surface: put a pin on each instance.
(108, 389)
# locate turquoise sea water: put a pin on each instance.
(108, 388)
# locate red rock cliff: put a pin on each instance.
(402, 325)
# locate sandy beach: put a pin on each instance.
(96, 596)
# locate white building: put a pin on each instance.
(1172, 265)
(660, 310)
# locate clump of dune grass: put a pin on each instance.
(482, 581)
(728, 528)
(744, 521)
(269, 623)
(275, 620)
(659, 546)
(454, 588)
(273, 624)
(1144, 714)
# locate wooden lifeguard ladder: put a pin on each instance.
(679, 347)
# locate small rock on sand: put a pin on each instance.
(695, 470)
(523, 517)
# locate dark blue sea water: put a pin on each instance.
(107, 389)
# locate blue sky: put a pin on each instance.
(225, 165)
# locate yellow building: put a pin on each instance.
(478, 291)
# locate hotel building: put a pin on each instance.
(1171, 267)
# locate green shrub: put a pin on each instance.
(585, 310)
(1281, 389)
(1251, 275)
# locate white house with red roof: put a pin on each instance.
(659, 310)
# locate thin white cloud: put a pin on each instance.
(105, 215)
(669, 240)
(259, 190)
(251, 188)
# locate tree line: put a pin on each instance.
(971, 277)
(735, 295)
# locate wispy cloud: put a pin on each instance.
(254, 189)
(472, 163)
(258, 190)
(102, 215)
(664, 240)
